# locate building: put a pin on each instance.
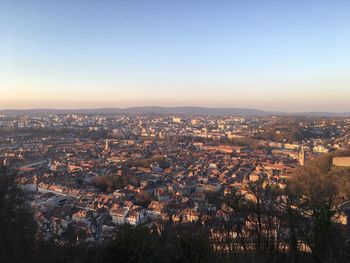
(341, 161)
(176, 120)
(302, 157)
(194, 122)
(320, 149)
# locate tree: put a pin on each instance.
(315, 190)
(17, 225)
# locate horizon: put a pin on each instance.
(174, 107)
(272, 56)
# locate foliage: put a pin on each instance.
(109, 183)
(17, 226)
(142, 244)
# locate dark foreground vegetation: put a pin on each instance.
(297, 224)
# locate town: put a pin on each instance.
(91, 173)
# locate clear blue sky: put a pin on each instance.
(274, 55)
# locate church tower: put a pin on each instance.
(302, 156)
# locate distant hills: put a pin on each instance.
(173, 110)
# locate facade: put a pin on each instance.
(341, 161)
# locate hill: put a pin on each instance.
(173, 110)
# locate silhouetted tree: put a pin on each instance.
(17, 226)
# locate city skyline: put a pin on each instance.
(273, 56)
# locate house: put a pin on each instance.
(81, 215)
(154, 209)
(118, 214)
(135, 216)
(186, 215)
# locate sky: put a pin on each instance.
(271, 55)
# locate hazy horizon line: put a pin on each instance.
(167, 107)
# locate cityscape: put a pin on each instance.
(174, 131)
(92, 173)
